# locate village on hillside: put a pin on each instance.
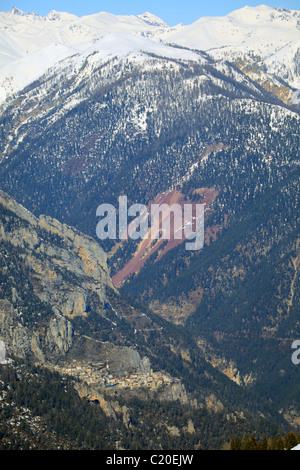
(99, 374)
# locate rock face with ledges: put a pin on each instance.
(49, 271)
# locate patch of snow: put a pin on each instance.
(19, 73)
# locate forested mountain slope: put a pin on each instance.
(129, 114)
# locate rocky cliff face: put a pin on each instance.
(49, 273)
(55, 339)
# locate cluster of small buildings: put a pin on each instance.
(152, 380)
(100, 375)
(90, 373)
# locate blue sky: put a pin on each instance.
(171, 11)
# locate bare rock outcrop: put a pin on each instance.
(54, 340)
(50, 272)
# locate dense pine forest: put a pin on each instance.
(286, 442)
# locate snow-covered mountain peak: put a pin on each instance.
(138, 48)
(59, 16)
(17, 11)
(263, 15)
(270, 34)
(153, 20)
(15, 15)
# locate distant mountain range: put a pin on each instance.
(269, 37)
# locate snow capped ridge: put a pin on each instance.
(52, 16)
(21, 15)
(152, 20)
(261, 32)
(241, 27)
(121, 44)
(17, 11)
(59, 16)
(271, 34)
(18, 74)
(264, 15)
